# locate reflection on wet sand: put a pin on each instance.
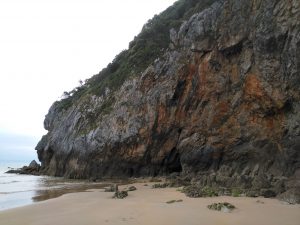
(55, 187)
(41, 195)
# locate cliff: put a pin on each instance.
(217, 101)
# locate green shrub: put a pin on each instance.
(209, 192)
(194, 191)
(236, 192)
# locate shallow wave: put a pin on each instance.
(14, 192)
(10, 182)
(7, 176)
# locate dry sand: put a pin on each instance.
(148, 206)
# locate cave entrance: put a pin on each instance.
(130, 172)
(172, 162)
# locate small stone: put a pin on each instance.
(132, 188)
(259, 201)
(120, 194)
(173, 201)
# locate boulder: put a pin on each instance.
(291, 196)
(120, 194)
(222, 206)
(34, 165)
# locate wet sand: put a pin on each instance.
(42, 195)
(148, 206)
(60, 186)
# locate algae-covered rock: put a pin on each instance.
(224, 207)
(120, 194)
(195, 191)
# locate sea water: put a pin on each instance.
(20, 190)
(16, 190)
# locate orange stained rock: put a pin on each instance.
(220, 111)
(161, 117)
(253, 87)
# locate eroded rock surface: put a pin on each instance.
(222, 106)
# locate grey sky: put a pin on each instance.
(47, 46)
(17, 147)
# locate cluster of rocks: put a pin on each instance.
(222, 206)
(32, 169)
(216, 184)
(119, 194)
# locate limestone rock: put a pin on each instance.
(34, 165)
(221, 106)
(32, 169)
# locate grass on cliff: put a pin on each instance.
(149, 45)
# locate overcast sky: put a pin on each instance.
(47, 46)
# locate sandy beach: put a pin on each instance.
(148, 206)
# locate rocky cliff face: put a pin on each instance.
(222, 105)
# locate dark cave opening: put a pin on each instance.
(175, 166)
(172, 162)
(130, 172)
